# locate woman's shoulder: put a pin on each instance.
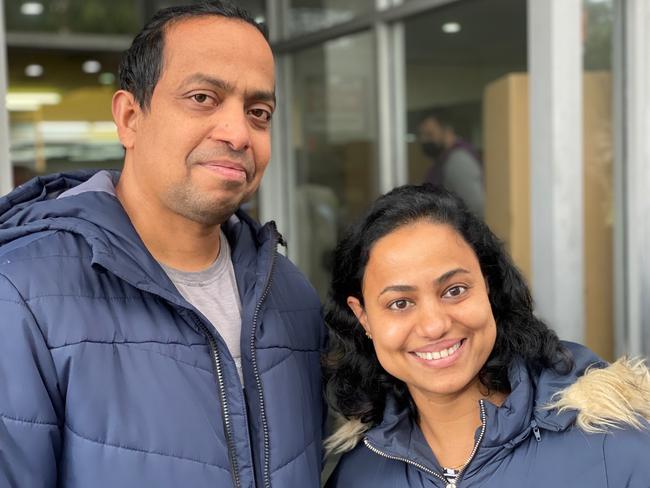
(627, 456)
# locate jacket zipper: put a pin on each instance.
(216, 362)
(258, 381)
(448, 484)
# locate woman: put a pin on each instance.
(446, 378)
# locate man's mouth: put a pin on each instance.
(227, 169)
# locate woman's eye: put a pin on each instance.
(399, 305)
(455, 291)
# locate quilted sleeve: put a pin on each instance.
(31, 408)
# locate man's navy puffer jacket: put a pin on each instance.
(109, 378)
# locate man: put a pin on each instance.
(455, 163)
(150, 333)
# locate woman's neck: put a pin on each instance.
(449, 422)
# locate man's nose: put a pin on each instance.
(231, 126)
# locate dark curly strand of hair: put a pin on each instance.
(357, 385)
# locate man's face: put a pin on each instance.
(430, 130)
(202, 147)
(432, 137)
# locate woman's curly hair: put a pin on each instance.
(357, 385)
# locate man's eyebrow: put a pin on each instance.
(262, 96)
(258, 95)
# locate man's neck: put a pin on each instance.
(450, 140)
(171, 239)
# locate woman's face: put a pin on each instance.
(427, 310)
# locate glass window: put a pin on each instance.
(310, 15)
(334, 121)
(59, 106)
(452, 55)
(598, 19)
(88, 16)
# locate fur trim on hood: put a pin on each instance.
(617, 396)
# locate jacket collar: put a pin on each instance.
(84, 203)
(398, 435)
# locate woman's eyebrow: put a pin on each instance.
(445, 276)
(400, 288)
(441, 279)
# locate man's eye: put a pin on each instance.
(261, 114)
(200, 97)
(455, 291)
(399, 305)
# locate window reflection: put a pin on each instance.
(89, 16)
(452, 54)
(334, 134)
(61, 119)
(310, 15)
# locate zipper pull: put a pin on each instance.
(536, 433)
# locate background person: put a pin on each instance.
(151, 334)
(445, 376)
(455, 163)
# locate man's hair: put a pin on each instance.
(357, 385)
(142, 64)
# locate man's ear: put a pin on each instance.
(126, 114)
(359, 312)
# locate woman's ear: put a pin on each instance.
(359, 312)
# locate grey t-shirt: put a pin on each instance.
(213, 291)
(462, 174)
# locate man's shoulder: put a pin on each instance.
(27, 259)
(294, 283)
(43, 244)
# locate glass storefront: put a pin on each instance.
(452, 54)
(305, 16)
(598, 157)
(334, 121)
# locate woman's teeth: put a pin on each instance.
(432, 356)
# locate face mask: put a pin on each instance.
(432, 149)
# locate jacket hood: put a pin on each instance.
(84, 203)
(527, 406)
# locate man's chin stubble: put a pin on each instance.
(205, 211)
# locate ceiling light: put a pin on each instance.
(260, 19)
(31, 8)
(106, 78)
(91, 66)
(451, 27)
(34, 70)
